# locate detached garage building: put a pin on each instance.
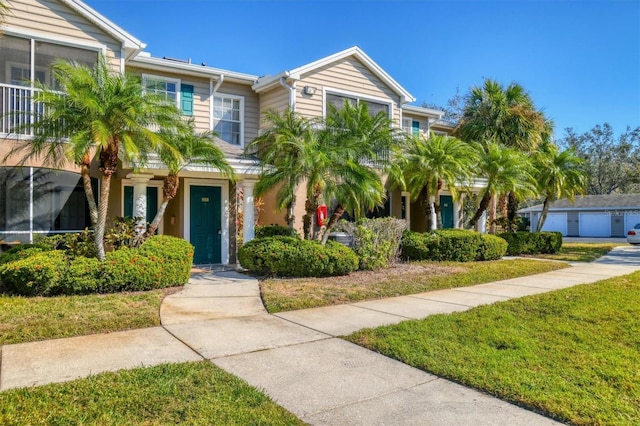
(589, 216)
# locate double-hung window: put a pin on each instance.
(228, 111)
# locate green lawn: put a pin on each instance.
(26, 319)
(573, 354)
(415, 277)
(190, 393)
(580, 252)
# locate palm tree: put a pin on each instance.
(506, 170)
(560, 174)
(281, 148)
(357, 145)
(99, 112)
(429, 164)
(506, 116)
(186, 147)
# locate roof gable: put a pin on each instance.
(129, 41)
(267, 82)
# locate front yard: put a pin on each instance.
(572, 354)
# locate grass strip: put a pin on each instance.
(27, 319)
(416, 277)
(572, 354)
(196, 393)
(579, 252)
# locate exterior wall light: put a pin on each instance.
(309, 90)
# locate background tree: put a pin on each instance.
(430, 164)
(560, 174)
(612, 164)
(96, 111)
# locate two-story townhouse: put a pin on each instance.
(37, 200)
(351, 74)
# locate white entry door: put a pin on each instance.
(595, 225)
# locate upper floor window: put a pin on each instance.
(164, 87)
(337, 100)
(410, 126)
(228, 112)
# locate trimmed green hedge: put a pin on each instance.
(161, 261)
(292, 257)
(523, 242)
(275, 230)
(452, 245)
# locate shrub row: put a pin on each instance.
(452, 245)
(275, 230)
(284, 256)
(523, 242)
(161, 261)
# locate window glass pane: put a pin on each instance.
(375, 108)
(15, 60)
(14, 203)
(163, 88)
(59, 201)
(227, 119)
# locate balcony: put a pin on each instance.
(18, 110)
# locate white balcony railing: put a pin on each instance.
(18, 109)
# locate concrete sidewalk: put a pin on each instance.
(295, 356)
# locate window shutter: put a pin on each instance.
(128, 201)
(186, 99)
(415, 127)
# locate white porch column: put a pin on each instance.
(457, 213)
(482, 223)
(248, 212)
(434, 224)
(140, 199)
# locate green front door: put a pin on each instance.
(446, 211)
(205, 231)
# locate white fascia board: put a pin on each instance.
(105, 24)
(159, 64)
(427, 112)
(355, 51)
(268, 82)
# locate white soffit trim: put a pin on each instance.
(105, 24)
(355, 51)
(427, 112)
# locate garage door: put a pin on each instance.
(556, 222)
(630, 220)
(595, 225)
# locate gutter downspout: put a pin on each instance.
(292, 92)
(212, 91)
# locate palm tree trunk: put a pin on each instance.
(512, 210)
(438, 209)
(335, 217)
(307, 219)
(543, 215)
(493, 214)
(169, 190)
(105, 187)
(88, 190)
(504, 212)
(484, 203)
(428, 209)
(290, 217)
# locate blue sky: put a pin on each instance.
(579, 60)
